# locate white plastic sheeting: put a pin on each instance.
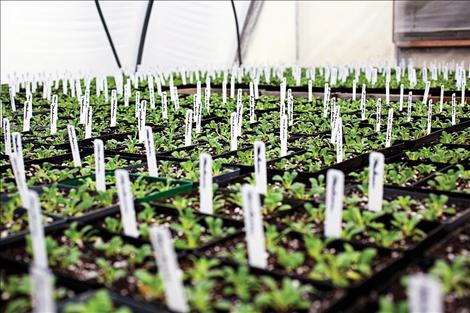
(68, 35)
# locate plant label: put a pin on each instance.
(150, 152)
(441, 100)
(7, 136)
(363, 103)
(53, 122)
(426, 92)
(283, 135)
(239, 118)
(36, 229)
(189, 128)
(260, 167)
(387, 92)
(1, 114)
(224, 92)
(425, 294)
(410, 106)
(88, 122)
(164, 106)
(255, 239)
(429, 117)
(325, 100)
(18, 150)
(126, 203)
(20, 179)
(339, 140)
(310, 90)
(99, 165)
(256, 88)
(42, 289)
(232, 87)
(152, 97)
(113, 109)
(168, 268)
(354, 90)
(233, 132)
(462, 92)
(137, 103)
(27, 113)
(334, 203)
(252, 109)
(401, 98)
(205, 183)
(453, 108)
(12, 100)
(388, 135)
(74, 146)
(376, 180)
(378, 114)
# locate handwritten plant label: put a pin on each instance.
(378, 115)
(376, 181)
(224, 92)
(150, 152)
(425, 294)
(74, 146)
(283, 135)
(363, 103)
(334, 203)
(205, 183)
(189, 128)
(255, 239)
(453, 108)
(126, 203)
(99, 165)
(113, 109)
(20, 178)
(260, 167)
(233, 132)
(429, 117)
(426, 92)
(410, 106)
(168, 268)
(88, 123)
(339, 140)
(388, 135)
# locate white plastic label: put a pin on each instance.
(205, 183)
(150, 152)
(99, 165)
(126, 203)
(401, 98)
(168, 268)
(233, 132)
(189, 128)
(252, 109)
(113, 109)
(42, 289)
(388, 135)
(334, 203)
(88, 123)
(255, 239)
(20, 179)
(426, 92)
(441, 100)
(425, 294)
(376, 181)
(53, 121)
(164, 106)
(74, 146)
(410, 106)
(339, 140)
(36, 229)
(378, 115)
(310, 90)
(260, 167)
(224, 92)
(354, 90)
(429, 117)
(283, 135)
(363, 103)
(232, 86)
(7, 136)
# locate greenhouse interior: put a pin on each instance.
(235, 156)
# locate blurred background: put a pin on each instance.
(69, 35)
